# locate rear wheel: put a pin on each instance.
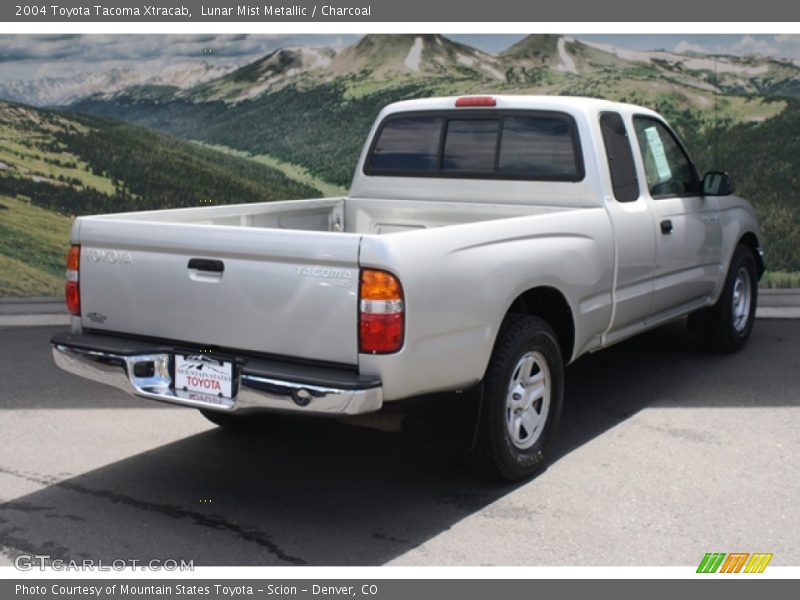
(236, 422)
(726, 326)
(521, 405)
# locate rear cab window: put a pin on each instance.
(408, 144)
(533, 145)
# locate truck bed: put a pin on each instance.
(339, 214)
(287, 278)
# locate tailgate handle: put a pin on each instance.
(207, 264)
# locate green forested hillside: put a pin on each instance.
(317, 128)
(54, 166)
(78, 164)
(764, 160)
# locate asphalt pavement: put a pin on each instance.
(665, 452)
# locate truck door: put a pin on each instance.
(632, 222)
(687, 226)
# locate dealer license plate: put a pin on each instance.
(203, 374)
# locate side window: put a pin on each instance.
(620, 157)
(668, 170)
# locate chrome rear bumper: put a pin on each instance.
(255, 391)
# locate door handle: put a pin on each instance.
(207, 264)
(666, 226)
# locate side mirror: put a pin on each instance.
(717, 183)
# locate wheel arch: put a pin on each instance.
(750, 240)
(551, 305)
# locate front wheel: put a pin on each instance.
(726, 326)
(522, 396)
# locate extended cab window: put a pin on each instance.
(620, 157)
(668, 170)
(504, 145)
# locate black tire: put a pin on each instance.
(234, 422)
(496, 452)
(726, 326)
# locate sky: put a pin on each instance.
(30, 57)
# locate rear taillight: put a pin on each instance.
(72, 291)
(381, 322)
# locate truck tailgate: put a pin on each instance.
(282, 292)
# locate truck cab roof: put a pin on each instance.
(570, 104)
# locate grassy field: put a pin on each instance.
(780, 279)
(33, 246)
(292, 171)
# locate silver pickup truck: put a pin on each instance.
(486, 242)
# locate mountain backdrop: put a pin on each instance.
(292, 123)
